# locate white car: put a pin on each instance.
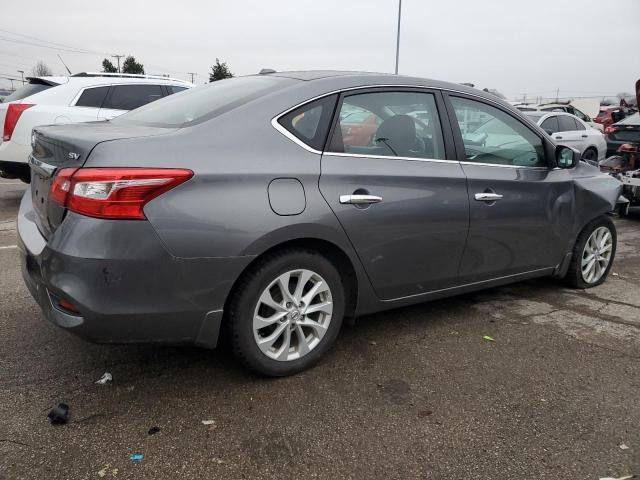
(565, 107)
(82, 97)
(569, 130)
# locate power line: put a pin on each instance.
(46, 41)
(72, 50)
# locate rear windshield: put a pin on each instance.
(199, 104)
(27, 91)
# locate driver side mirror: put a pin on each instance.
(550, 132)
(566, 157)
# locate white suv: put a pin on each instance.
(82, 97)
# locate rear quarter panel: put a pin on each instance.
(224, 209)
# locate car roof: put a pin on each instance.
(97, 79)
(346, 79)
(541, 118)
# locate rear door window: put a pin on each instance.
(92, 97)
(566, 124)
(550, 125)
(130, 97)
(389, 124)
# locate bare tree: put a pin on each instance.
(41, 70)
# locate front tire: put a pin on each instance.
(590, 155)
(593, 254)
(286, 312)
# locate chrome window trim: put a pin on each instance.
(388, 157)
(276, 124)
(291, 136)
(482, 164)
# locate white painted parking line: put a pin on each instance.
(6, 247)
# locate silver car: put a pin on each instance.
(273, 206)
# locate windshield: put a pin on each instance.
(199, 104)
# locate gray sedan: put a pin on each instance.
(270, 207)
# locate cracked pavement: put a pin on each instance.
(409, 393)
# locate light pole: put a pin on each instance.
(21, 72)
(193, 74)
(398, 35)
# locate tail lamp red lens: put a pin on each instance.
(14, 111)
(609, 129)
(114, 193)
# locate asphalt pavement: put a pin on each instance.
(410, 393)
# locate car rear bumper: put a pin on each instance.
(123, 283)
(14, 152)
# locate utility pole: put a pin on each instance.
(21, 72)
(398, 35)
(557, 94)
(193, 74)
(118, 57)
(11, 80)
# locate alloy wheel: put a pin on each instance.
(292, 315)
(596, 255)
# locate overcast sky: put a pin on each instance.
(582, 47)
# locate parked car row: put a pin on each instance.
(272, 206)
(566, 107)
(82, 97)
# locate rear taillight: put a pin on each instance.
(610, 129)
(14, 111)
(116, 193)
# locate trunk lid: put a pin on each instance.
(68, 146)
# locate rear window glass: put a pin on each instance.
(27, 91)
(92, 97)
(203, 103)
(129, 97)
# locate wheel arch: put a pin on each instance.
(343, 262)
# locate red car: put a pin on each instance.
(610, 115)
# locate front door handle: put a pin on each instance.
(558, 138)
(359, 199)
(585, 136)
(488, 197)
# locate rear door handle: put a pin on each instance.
(488, 197)
(558, 138)
(585, 136)
(359, 199)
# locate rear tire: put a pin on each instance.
(277, 332)
(593, 254)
